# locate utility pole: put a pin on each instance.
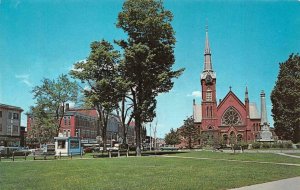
(150, 138)
(154, 131)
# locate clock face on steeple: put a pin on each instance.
(208, 79)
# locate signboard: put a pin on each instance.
(84, 141)
(93, 141)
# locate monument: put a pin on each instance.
(265, 135)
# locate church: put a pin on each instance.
(231, 117)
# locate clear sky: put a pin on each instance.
(248, 39)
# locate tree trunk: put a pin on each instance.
(138, 135)
(104, 130)
(124, 134)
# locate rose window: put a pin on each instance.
(231, 117)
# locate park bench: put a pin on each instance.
(41, 155)
(170, 148)
(112, 152)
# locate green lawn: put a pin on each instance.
(296, 154)
(260, 157)
(145, 172)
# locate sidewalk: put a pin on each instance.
(289, 184)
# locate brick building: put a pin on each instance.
(230, 118)
(10, 122)
(83, 122)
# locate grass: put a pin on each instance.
(296, 154)
(145, 172)
(260, 157)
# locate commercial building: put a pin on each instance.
(10, 122)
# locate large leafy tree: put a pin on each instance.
(285, 98)
(148, 56)
(100, 73)
(52, 96)
(43, 128)
(172, 138)
(189, 132)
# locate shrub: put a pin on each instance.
(256, 145)
(132, 148)
(275, 145)
(287, 145)
(265, 145)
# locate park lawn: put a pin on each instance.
(296, 154)
(260, 157)
(138, 173)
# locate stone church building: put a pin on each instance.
(231, 117)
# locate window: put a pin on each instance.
(8, 130)
(0, 113)
(231, 117)
(69, 120)
(74, 144)
(65, 120)
(61, 144)
(15, 129)
(239, 137)
(0, 127)
(15, 116)
(208, 96)
(225, 138)
(68, 133)
(9, 115)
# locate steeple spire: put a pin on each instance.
(246, 95)
(207, 53)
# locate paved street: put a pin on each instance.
(289, 184)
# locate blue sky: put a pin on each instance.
(248, 39)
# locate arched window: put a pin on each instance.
(207, 115)
(239, 137)
(225, 138)
(231, 117)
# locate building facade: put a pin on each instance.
(83, 122)
(230, 118)
(10, 123)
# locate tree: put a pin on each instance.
(100, 73)
(148, 57)
(52, 95)
(43, 128)
(189, 131)
(285, 98)
(172, 138)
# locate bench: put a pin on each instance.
(40, 155)
(169, 148)
(112, 152)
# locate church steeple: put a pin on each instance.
(246, 95)
(207, 53)
(207, 70)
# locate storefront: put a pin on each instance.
(66, 146)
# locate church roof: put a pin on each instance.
(253, 111)
(230, 93)
(197, 111)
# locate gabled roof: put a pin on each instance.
(253, 111)
(230, 93)
(197, 111)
